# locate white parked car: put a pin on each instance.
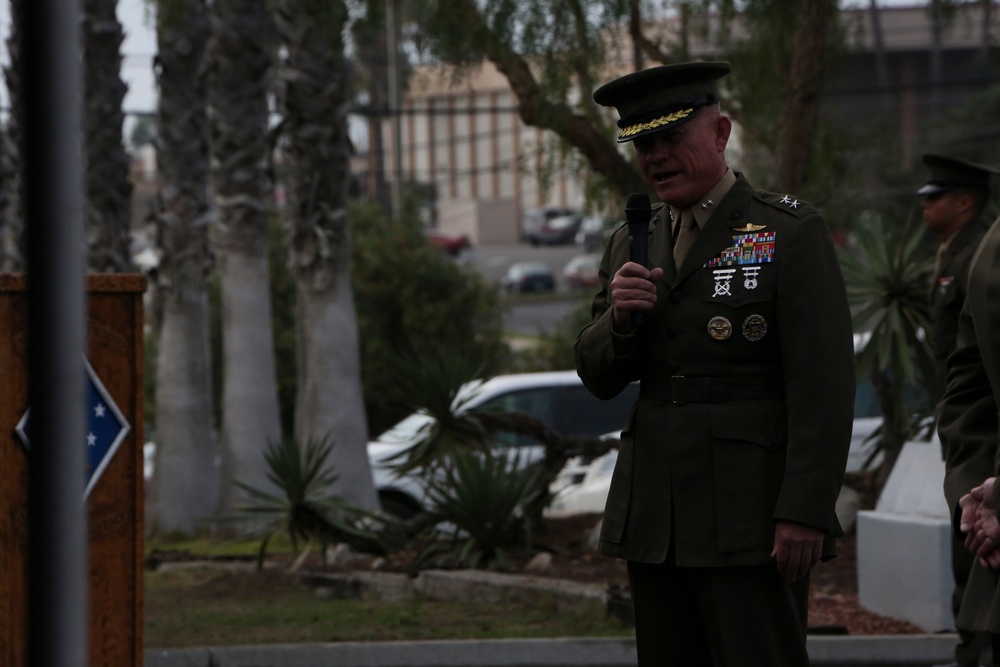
(557, 399)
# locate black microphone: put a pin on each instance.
(637, 214)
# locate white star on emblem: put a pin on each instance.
(99, 410)
(707, 203)
(91, 439)
(794, 204)
(785, 200)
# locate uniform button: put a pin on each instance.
(735, 215)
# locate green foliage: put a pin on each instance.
(887, 286)
(433, 383)
(887, 282)
(552, 350)
(412, 300)
(305, 506)
(483, 496)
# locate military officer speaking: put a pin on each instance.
(733, 457)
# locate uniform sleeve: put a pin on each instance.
(814, 323)
(967, 418)
(606, 361)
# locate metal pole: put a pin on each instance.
(54, 215)
(392, 41)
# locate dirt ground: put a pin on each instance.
(833, 607)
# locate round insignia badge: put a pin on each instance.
(720, 328)
(754, 327)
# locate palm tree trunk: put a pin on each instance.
(315, 92)
(185, 483)
(109, 190)
(12, 220)
(237, 98)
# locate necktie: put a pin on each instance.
(685, 236)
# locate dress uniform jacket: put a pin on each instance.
(746, 379)
(969, 425)
(948, 288)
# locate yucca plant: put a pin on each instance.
(307, 509)
(481, 497)
(887, 285)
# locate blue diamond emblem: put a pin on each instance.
(106, 428)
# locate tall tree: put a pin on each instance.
(239, 60)
(108, 188)
(803, 94)
(185, 485)
(552, 59)
(315, 93)
(12, 218)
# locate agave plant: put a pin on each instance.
(482, 498)
(307, 509)
(887, 283)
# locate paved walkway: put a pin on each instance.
(841, 651)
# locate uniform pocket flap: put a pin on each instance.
(763, 422)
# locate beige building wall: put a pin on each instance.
(467, 139)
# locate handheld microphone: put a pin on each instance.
(637, 214)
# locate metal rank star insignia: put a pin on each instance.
(789, 202)
(720, 328)
(754, 328)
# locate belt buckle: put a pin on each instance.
(677, 389)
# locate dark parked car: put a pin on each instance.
(528, 277)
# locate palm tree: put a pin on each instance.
(12, 219)
(109, 191)
(887, 288)
(185, 485)
(315, 92)
(239, 57)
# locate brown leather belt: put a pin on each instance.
(679, 389)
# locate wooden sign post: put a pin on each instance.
(115, 484)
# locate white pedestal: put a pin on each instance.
(904, 545)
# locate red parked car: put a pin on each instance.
(455, 245)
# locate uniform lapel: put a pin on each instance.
(717, 234)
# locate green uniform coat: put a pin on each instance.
(757, 429)
(968, 424)
(949, 285)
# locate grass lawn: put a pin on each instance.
(199, 606)
(194, 607)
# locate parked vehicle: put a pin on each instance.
(528, 277)
(455, 245)
(558, 399)
(556, 231)
(581, 271)
(550, 225)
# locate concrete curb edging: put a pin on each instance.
(895, 650)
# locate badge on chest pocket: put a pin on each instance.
(743, 272)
